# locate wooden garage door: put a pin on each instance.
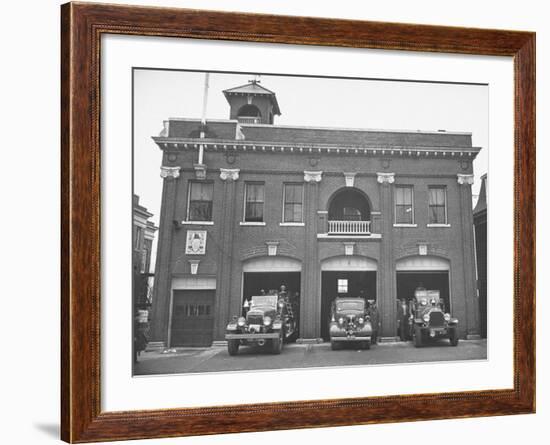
(192, 318)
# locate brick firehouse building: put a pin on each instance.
(249, 205)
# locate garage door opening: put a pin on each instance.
(344, 284)
(192, 318)
(408, 282)
(256, 283)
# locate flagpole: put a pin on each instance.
(203, 119)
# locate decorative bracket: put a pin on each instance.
(350, 178)
(169, 172)
(272, 247)
(348, 248)
(200, 171)
(229, 174)
(465, 179)
(194, 266)
(385, 178)
(312, 176)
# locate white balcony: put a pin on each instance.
(249, 120)
(349, 227)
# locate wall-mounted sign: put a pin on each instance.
(196, 242)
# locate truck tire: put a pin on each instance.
(417, 338)
(453, 337)
(277, 345)
(233, 347)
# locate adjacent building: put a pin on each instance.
(142, 247)
(480, 228)
(248, 205)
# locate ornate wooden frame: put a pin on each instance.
(81, 28)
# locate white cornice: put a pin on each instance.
(282, 147)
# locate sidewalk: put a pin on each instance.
(216, 358)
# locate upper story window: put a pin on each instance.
(254, 202)
(200, 201)
(293, 203)
(437, 202)
(137, 237)
(404, 204)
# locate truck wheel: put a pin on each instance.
(374, 338)
(334, 345)
(233, 347)
(403, 334)
(277, 344)
(417, 338)
(454, 337)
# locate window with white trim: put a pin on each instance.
(293, 196)
(254, 202)
(199, 206)
(437, 203)
(404, 204)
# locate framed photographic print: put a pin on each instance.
(285, 222)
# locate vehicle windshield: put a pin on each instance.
(427, 295)
(264, 300)
(350, 305)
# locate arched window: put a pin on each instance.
(249, 111)
(349, 205)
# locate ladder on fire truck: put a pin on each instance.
(289, 310)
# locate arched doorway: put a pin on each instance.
(249, 114)
(349, 212)
(269, 273)
(427, 271)
(345, 276)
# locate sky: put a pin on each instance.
(309, 101)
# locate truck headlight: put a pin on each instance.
(340, 320)
(426, 318)
(267, 321)
(241, 321)
(447, 317)
(361, 320)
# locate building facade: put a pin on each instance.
(248, 205)
(480, 229)
(142, 247)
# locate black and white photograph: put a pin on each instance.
(284, 221)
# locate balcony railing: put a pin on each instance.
(249, 120)
(349, 227)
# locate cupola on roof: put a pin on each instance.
(252, 103)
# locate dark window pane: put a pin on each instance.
(200, 211)
(404, 211)
(254, 192)
(403, 214)
(437, 204)
(254, 208)
(293, 203)
(293, 212)
(200, 201)
(351, 214)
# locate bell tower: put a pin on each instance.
(252, 103)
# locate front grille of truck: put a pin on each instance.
(255, 319)
(437, 319)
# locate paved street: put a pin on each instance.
(184, 360)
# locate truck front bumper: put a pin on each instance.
(266, 336)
